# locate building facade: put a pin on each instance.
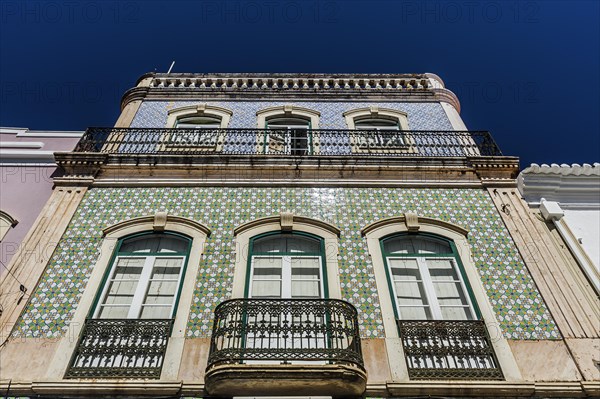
(27, 168)
(288, 235)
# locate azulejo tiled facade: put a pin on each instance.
(421, 116)
(520, 310)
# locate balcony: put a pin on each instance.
(278, 346)
(448, 350)
(298, 142)
(111, 348)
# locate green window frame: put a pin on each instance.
(290, 143)
(287, 262)
(438, 278)
(144, 278)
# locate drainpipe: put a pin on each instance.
(552, 212)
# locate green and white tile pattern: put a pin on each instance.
(520, 309)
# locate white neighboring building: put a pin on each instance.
(568, 196)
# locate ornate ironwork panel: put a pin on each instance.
(336, 142)
(110, 348)
(436, 349)
(285, 331)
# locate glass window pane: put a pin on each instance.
(159, 299)
(442, 269)
(161, 243)
(284, 122)
(372, 122)
(262, 288)
(113, 312)
(120, 292)
(267, 268)
(287, 243)
(415, 313)
(198, 121)
(306, 289)
(156, 312)
(410, 244)
(129, 268)
(456, 313)
(404, 269)
(167, 268)
(305, 268)
(162, 287)
(410, 293)
(450, 293)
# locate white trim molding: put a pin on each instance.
(286, 222)
(158, 222)
(287, 110)
(6, 222)
(408, 222)
(376, 112)
(201, 109)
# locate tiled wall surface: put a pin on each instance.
(519, 307)
(421, 116)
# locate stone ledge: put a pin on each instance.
(260, 379)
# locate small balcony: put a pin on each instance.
(120, 348)
(284, 142)
(448, 350)
(281, 346)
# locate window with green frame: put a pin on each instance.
(145, 277)
(426, 278)
(288, 135)
(286, 265)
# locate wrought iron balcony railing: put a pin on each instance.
(294, 142)
(285, 331)
(118, 348)
(453, 350)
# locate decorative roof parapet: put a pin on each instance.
(573, 185)
(564, 169)
(300, 84)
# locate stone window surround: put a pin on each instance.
(354, 115)
(286, 222)
(160, 222)
(199, 110)
(6, 222)
(409, 222)
(376, 112)
(288, 110)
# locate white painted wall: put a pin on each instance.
(585, 225)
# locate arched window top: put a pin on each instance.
(299, 114)
(155, 243)
(197, 122)
(199, 116)
(6, 222)
(375, 117)
(287, 243)
(279, 121)
(416, 244)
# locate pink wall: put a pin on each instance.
(26, 181)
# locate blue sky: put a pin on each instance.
(528, 71)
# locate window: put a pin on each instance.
(383, 134)
(433, 301)
(378, 129)
(144, 280)
(426, 278)
(203, 124)
(6, 222)
(286, 266)
(287, 136)
(289, 130)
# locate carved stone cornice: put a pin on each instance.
(80, 164)
(496, 171)
(404, 87)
